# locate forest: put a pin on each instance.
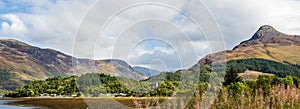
(92, 85)
(66, 86)
(279, 91)
(266, 66)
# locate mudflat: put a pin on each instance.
(78, 103)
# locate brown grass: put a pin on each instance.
(278, 98)
(252, 75)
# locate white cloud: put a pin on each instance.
(54, 25)
(239, 19)
(173, 58)
(167, 57)
(171, 45)
(141, 52)
(12, 25)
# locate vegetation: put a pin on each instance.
(266, 92)
(266, 66)
(279, 91)
(10, 81)
(231, 76)
(54, 86)
(93, 84)
(100, 85)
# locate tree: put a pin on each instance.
(231, 76)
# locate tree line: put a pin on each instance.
(66, 86)
(266, 66)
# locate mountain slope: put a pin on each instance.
(266, 43)
(265, 66)
(20, 62)
(146, 71)
(268, 51)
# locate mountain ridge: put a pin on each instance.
(21, 62)
(266, 43)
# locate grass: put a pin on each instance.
(279, 97)
(252, 75)
(275, 53)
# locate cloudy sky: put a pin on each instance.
(164, 35)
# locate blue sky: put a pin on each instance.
(12, 6)
(54, 24)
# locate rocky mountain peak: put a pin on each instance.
(265, 32)
(266, 43)
(267, 35)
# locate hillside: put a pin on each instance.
(20, 63)
(265, 66)
(266, 43)
(146, 71)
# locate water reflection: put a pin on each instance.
(4, 106)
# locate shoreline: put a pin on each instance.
(25, 98)
(78, 102)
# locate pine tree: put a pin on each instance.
(231, 76)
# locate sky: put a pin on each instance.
(163, 35)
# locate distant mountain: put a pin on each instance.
(146, 71)
(266, 43)
(20, 63)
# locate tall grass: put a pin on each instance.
(279, 97)
(265, 93)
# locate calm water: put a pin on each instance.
(3, 106)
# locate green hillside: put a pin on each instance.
(266, 66)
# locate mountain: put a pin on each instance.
(266, 43)
(268, 51)
(20, 63)
(146, 71)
